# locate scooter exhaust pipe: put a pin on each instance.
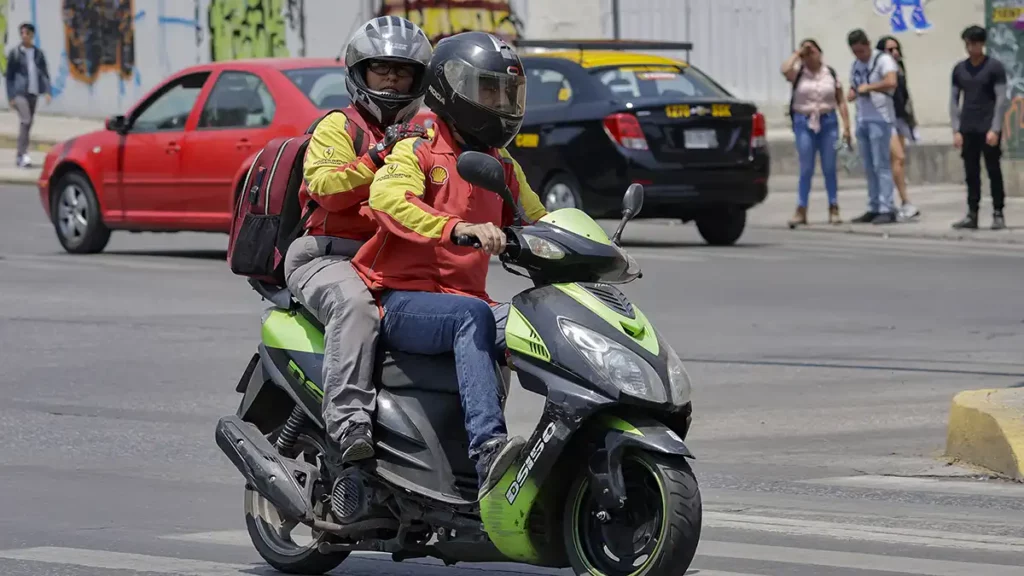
(271, 475)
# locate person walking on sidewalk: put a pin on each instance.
(27, 78)
(872, 83)
(903, 129)
(977, 125)
(817, 94)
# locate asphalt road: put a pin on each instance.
(823, 369)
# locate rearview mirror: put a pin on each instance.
(632, 201)
(486, 171)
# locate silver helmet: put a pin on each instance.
(387, 39)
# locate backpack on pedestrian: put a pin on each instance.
(267, 215)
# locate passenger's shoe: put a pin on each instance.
(968, 222)
(495, 456)
(356, 443)
(998, 222)
(865, 218)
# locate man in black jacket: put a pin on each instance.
(977, 125)
(27, 78)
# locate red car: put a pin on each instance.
(176, 160)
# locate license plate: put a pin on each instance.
(700, 139)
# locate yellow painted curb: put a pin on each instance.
(986, 429)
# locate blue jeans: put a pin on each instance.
(873, 140)
(433, 323)
(822, 143)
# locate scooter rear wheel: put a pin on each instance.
(655, 534)
(274, 538)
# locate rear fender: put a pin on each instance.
(613, 436)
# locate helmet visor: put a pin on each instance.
(501, 93)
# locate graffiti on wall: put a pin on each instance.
(440, 19)
(3, 27)
(904, 14)
(99, 37)
(254, 28)
(1005, 23)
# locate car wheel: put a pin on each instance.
(561, 191)
(722, 226)
(76, 215)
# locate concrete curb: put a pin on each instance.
(35, 144)
(19, 176)
(986, 429)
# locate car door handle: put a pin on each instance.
(243, 143)
(173, 148)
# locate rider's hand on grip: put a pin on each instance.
(392, 135)
(491, 239)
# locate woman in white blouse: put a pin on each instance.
(817, 96)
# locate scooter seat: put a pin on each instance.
(397, 370)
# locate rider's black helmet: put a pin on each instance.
(476, 84)
(387, 38)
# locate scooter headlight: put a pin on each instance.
(678, 379)
(621, 367)
(543, 248)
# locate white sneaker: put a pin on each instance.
(26, 161)
(909, 212)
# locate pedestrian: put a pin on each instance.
(27, 78)
(817, 94)
(905, 127)
(872, 83)
(977, 124)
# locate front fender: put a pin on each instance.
(613, 436)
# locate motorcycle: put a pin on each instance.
(603, 484)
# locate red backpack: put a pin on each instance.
(267, 216)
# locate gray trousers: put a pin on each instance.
(25, 107)
(320, 275)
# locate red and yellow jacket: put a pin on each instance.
(337, 177)
(418, 197)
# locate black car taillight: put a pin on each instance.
(624, 129)
(758, 132)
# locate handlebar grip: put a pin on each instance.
(467, 240)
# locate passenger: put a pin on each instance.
(433, 292)
(386, 60)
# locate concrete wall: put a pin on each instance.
(931, 45)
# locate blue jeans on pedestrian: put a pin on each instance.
(434, 323)
(810, 144)
(873, 139)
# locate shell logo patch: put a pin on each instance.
(438, 175)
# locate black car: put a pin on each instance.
(599, 119)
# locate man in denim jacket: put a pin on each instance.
(27, 78)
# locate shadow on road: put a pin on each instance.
(852, 367)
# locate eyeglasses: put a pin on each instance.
(385, 68)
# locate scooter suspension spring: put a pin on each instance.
(290, 433)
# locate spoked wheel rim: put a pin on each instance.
(288, 537)
(73, 213)
(559, 196)
(632, 538)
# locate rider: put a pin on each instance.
(386, 61)
(433, 292)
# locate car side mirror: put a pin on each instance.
(486, 171)
(117, 123)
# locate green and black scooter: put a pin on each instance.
(603, 484)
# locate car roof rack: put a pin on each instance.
(604, 44)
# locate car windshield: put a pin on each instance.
(325, 87)
(632, 83)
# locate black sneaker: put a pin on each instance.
(356, 443)
(495, 456)
(885, 218)
(970, 221)
(865, 218)
(998, 222)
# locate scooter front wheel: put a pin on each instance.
(655, 534)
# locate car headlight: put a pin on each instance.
(543, 248)
(622, 367)
(678, 379)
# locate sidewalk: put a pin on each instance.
(47, 130)
(940, 206)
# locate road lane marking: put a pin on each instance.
(105, 560)
(850, 560)
(930, 485)
(885, 535)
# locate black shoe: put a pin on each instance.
(885, 218)
(356, 443)
(970, 221)
(495, 456)
(865, 218)
(998, 222)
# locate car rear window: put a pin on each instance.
(324, 87)
(657, 81)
